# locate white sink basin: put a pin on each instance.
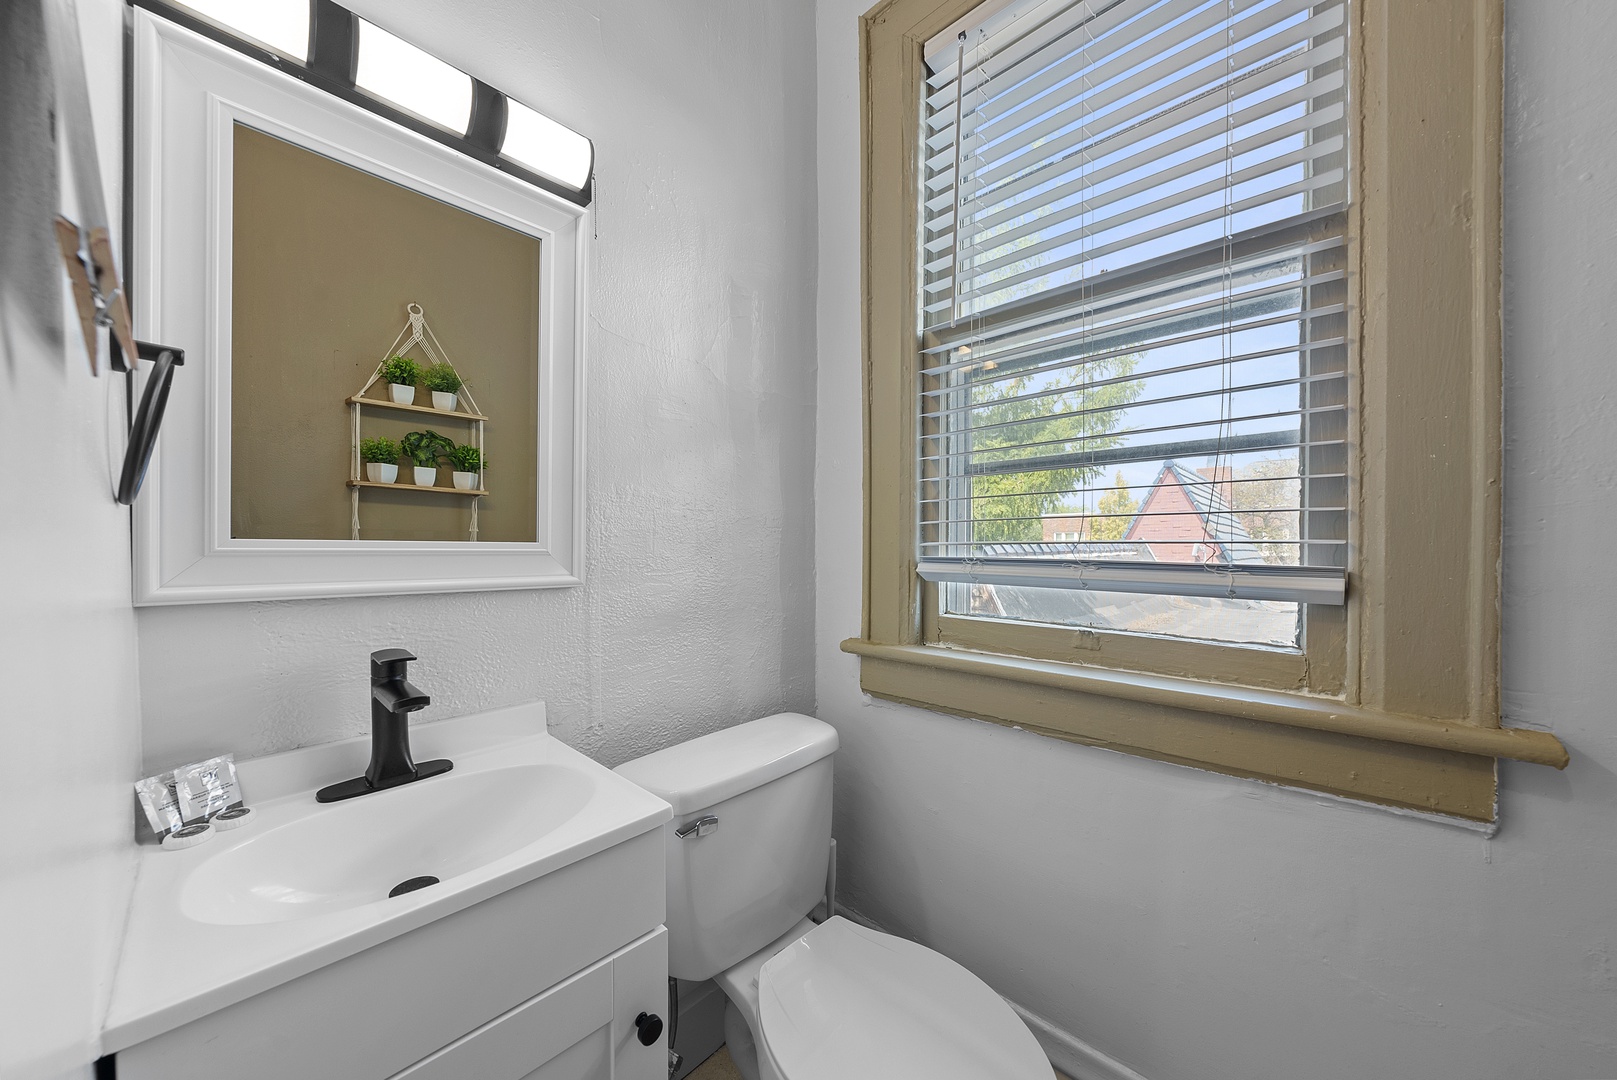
(304, 884)
(352, 853)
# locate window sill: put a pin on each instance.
(1441, 766)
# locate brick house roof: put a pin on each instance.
(1183, 507)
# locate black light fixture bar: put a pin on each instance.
(487, 126)
(333, 60)
(333, 42)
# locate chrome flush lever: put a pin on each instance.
(700, 827)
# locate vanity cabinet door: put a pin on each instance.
(639, 985)
(510, 1046)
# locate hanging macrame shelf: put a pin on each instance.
(416, 333)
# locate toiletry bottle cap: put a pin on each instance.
(189, 835)
(232, 818)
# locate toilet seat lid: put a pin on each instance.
(843, 1001)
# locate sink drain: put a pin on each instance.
(412, 885)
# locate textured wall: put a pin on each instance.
(1200, 927)
(698, 611)
(69, 720)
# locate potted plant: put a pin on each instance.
(402, 374)
(444, 382)
(381, 460)
(468, 462)
(425, 448)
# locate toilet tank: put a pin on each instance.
(763, 866)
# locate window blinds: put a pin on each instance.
(1133, 299)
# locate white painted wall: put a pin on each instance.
(69, 718)
(698, 611)
(1199, 927)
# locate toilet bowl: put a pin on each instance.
(747, 859)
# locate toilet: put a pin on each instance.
(748, 851)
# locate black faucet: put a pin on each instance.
(393, 699)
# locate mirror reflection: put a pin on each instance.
(383, 373)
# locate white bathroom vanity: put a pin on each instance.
(275, 950)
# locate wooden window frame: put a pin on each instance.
(1395, 697)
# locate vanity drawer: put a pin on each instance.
(381, 1010)
(569, 1031)
(512, 1046)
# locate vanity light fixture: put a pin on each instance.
(537, 141)
(326, 45)
(412, 78)
(281, 26)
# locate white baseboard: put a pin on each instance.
(1066, 1051)
(1070, 1054)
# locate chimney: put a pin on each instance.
(1222, 477)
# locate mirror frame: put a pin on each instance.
(186, 95)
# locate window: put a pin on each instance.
(1182, 383)
(1133, 297)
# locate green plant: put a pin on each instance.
(442, 378)
(401, 370)
(426, 447)
(467, 459)
(379, 451)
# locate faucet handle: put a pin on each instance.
(390, 663)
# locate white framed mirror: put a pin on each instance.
(284, 237)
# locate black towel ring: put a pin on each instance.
(148, 414)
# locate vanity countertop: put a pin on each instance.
(261, 905)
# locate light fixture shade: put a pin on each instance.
(325, 45)
(281, 26)
(412, 79)
(539, 143)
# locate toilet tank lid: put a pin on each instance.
(700, 773)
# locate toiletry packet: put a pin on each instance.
(207, 787)
(159, 797)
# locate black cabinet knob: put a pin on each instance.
(650, 1026)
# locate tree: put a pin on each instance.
(1007, 506)
(1118, 508)
(1265, 504)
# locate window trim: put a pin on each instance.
(1412, 716)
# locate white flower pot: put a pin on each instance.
(425, 477)
(402, 395)
(466, 481)
(441, 400)
(378, 473)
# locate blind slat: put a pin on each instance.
(1045, 23)
(1304, 249)
(979, 258)
(1168, 373)
(1168, 399)
(1007, 207)
(1143, 487)
(1084, 440)
(1308, 585)
(1126, 104)
(1100, 89)
(1069, 343)
(1144, 236)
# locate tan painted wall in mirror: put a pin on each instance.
(325, 259)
